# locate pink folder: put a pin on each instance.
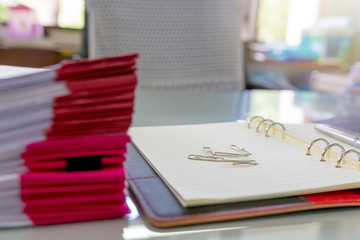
(77, 173)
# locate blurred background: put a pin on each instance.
(289, 44)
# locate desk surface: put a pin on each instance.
(159, 107)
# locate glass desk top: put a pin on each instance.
(165, 107)
(171, 107)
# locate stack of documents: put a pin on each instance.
(26, 97)
(76, 173)
(101, 99)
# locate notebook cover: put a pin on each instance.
(163, 210)
(102, 82)
(85, 101)
(71, 68)
(63, 164)
(76, 122)
(103, 73)
(94, 114)
(98, 93)
(87, 61)
(61, 178)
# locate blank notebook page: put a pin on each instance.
(284, 169)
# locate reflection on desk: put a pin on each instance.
(316, 225)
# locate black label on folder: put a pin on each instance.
(84, 163)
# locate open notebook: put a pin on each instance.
(284, 169)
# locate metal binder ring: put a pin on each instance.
(328, 148)
(261, 122)
(343, 155)
(271, 125)
(251, 119)
(313, 142)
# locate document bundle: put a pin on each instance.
(73, 170)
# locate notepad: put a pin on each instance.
(284, 168)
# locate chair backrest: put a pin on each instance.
(182, 44)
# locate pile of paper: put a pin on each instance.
(77, 173)
(26, 97)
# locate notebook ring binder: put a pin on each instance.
(338, 165)
(328, 147)
(313, 142)
(253, 118)
(261, 122)
(272, 125)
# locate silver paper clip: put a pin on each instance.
(242, 152)
(208, 151)
(226, 154)
(221, 159)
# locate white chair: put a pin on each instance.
(182, 44)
